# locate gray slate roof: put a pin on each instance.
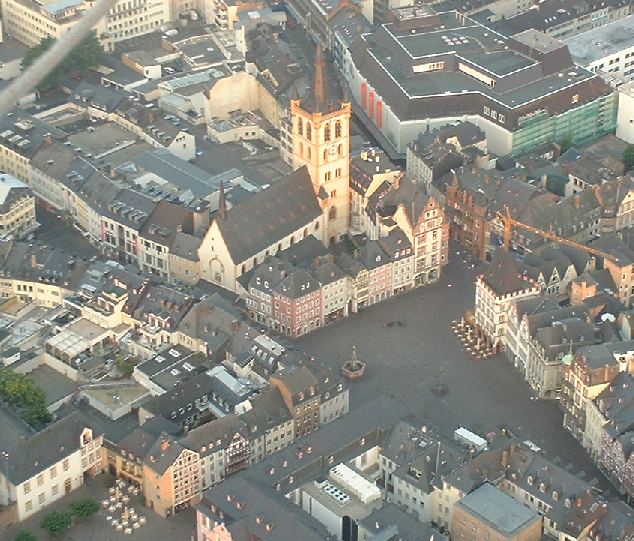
(275, 213)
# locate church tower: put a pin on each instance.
(321, 142)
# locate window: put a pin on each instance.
(327, 176)
(309, 132)
(40, 480)
(575, 98)
(338, 172)
(300, 126)
(65, 465)
(29, 505)
(501, 119)
(338, 129)
(27, 487)
(40, 498)
(55, 490)
(487, 111)
(327, 132)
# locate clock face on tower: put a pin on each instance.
(332, 150)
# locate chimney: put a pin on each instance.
(165, 445)
(201, 219)
(577, 200)
(33, 261)
(48, 139)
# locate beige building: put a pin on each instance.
(31, 21)
(496, 291)
(47, 465)
(321, 142)
(171, 476)
(489, 513)
(17, 208)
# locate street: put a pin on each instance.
(57, 233)
(404, 361)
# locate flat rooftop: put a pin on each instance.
(498, 509)
(609, 39)
(102, 138)
(55, 385)
(116, 396)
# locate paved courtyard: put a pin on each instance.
(403, 362)
(179, 528)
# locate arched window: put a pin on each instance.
(340, 150)
(309, 131)
(305, 232)
(308, 154)
(338, 129)
(301, 149)
(327, 132)
(316, 226)
(325, 154)
(332, 213)
(300, 126)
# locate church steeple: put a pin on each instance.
(324, 96)
(319, 83)
(222, 202)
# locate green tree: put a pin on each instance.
(566, 143)
(84, 508)
(86, 55)
(628, 158)
(26, 398)
(126, 365)
(25, 535)
(56, 522)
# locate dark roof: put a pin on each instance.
(404, 526)
(269, 215)
(166, 222)
(207, 435)
(502, 274)
(180, 396)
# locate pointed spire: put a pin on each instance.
(222, 202)
(319, 82)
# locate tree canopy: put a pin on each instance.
(56, 522)
(126, 365)
(84, 508)
(24, 396)
(87, 55)
(25, 535)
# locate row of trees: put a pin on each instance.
(24, 396)
(87, 55)
(56, 522)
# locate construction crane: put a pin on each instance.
(510, 223)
